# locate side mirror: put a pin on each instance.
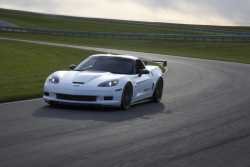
(72, 66)
(144, 71)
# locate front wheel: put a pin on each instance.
(126, 97)
(158, 91)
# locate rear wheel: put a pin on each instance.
(126, 97)
(158, 91)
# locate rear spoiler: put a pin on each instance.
(163, 64)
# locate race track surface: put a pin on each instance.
(203, 121)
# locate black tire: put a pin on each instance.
(158, 91)
(126, 97)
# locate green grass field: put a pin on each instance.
(225, 51)
(24, 67)
(25, 19)
(35, 20)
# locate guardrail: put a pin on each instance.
(220, 31)
(132, 36)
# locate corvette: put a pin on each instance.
(105, 79)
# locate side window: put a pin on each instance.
(139, 66)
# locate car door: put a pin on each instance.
(143, 83)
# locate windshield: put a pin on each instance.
(115, 65)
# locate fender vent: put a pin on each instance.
(108, 97)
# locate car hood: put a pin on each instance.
(85, 77)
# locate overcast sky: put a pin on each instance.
(219, 12)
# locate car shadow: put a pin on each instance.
(143, 111)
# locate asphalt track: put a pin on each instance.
(203, 121)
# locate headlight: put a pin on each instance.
(109, 83)
(54, 79)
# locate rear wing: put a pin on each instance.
(164, 63)
(161, 63)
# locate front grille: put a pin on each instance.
(75, 97)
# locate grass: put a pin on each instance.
(24, 67)
(35, 20)
(225, 51)
(26, 19)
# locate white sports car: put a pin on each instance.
(104, 79)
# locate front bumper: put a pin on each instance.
(84, 97)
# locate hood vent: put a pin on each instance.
(79, 83)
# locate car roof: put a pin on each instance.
(122, 56)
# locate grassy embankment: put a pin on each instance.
(35, 20)
(24, 67)
(225, 51)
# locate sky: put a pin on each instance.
(212, 12)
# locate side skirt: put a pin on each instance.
(149, 99)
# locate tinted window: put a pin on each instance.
(115, 65)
